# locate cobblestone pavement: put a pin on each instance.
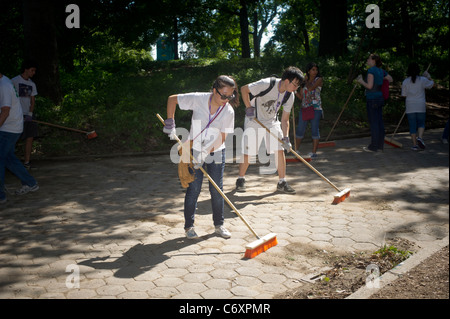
(113, 227)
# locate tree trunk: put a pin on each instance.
(243, 22)
(41, 46)
(407, 28)
(333, 27)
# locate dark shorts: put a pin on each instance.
(30, 129)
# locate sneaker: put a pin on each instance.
(415, 148)
(27, 165)
(367, 149)
(421, 143)
(312, 155)
(191, 234)
(222, 231)
(26, 189)
(240, 184)
(284, 187)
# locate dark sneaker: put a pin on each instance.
(284, 187)
(421, 143)
(240, 184)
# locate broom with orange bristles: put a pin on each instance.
(339, 197)
(254, 248)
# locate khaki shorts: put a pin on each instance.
(255, 134)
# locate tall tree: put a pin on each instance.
(41, 45)
(333, 27)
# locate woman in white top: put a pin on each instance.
(212, 120)
(413, 88)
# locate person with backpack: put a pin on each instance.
(375, 101)
(263, 100)
(413, 88)
(310, 97)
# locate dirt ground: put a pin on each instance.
(344, 274)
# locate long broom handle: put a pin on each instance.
(59, 126)
(398, 125)
(299, 157)
(215, 185)
(342, 111)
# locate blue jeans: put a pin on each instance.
(301, 128)
(9, 160)
(375, 117)
(215, 170)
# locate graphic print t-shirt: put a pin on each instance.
(26, 89)
(268, 105)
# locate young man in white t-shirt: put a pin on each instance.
(265, 108)
(27, 93)
(11, 126)
(212, 120)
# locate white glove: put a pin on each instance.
(286, 144)
(427, 75)
(200, 159)
(359, 79)
(169, 128)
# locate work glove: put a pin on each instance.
(286, 144)
(250, 112)
(359, 79)
(427, 75)
(200, 159)
(169, 128)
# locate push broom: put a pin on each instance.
(89, 135)
(254, 248)
(340, 196)
(390, 140)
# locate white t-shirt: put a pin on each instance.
(415, 94)
(10, 98)
(223, 120)
(268, 105)
(26, 89)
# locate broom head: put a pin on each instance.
(327, 144)
(91, 135)
(341, 196)
(392, 142)
(261, 245)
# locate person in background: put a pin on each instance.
(375, 101)
(310, 96)
(413, 88)
(27, 93)
(11, 127)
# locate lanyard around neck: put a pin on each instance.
(219, 110)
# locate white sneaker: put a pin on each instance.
(222, 231)
(26, 189)
(191, 234)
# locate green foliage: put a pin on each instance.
(117, 92)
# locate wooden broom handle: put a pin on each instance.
(215, 185)
(299, 157)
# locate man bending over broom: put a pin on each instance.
(212, 119)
